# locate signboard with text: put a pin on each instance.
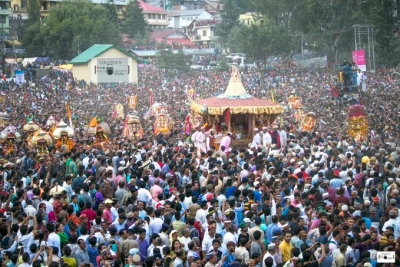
(112, 70)
(359, 59)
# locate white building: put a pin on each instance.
(202, 31)
(180, 19)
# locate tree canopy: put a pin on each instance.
(71, 27)
(261, 41)
(134, 21)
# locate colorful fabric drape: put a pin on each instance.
(69, 115)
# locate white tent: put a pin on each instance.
(28, 60)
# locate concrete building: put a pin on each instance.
(251, 18)
(213, 7)
(181, 19)
(102, 63)
(19, 6)
(155, 16)
(5, 12)
(202, 31)
(171, 37)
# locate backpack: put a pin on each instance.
(71, 224)
(193, 232)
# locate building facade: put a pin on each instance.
(156, 17)
(5, 12)
(202, 31)
(105, 64)
(181, 19)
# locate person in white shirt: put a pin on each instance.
(201, 214)
(230, 235)
(185, 239)
(29, 209)
(256, 138)
(270, 253)
(283, 137)
(267, 140)
(53, 240)
(207, 241)
(144, 194)
(394, 222)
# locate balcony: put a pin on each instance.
(8, 38)
(6, 12)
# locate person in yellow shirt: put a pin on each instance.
(286, 247)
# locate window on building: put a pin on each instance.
(183, 18)
(159, 16)
(2, 19)
(163, 16)
(204, 33)
(169, 19)
(23, 3)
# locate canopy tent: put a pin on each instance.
(26, 61)
(63, 67)
(42, 59)
(13, 42)
(13, 60)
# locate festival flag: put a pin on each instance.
(151, 97)
(69, 115)
(272, 94)
(114, 115)
(125, 131)
(28, 118)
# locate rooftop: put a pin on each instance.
(191, 12)
(147, 8)
(94, 51)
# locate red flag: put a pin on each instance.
(151, 98)
(114, 115)
(227, 116)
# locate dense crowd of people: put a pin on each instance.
(296, 199)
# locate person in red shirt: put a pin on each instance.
(341, 198)
(91, 214)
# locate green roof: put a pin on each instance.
(94, 51)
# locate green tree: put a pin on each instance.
(134, 21)
(230, 17)
(33, 9)
(222, 65)
(112, 12)
(331, 19)
(142, 39)
(165, 59)
(261, 41)
(181, 61)
(71, 27)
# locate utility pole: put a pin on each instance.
(359, 32)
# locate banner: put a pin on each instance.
(69, 115)
(19, 76)
(132, 102)
(359, 59)
(112, 70)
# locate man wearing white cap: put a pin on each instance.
(270, 253)
(266, 137)
(275, 137)
(256, 139)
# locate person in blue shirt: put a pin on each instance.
(230, 189)
(229, 257)
(272, 228)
